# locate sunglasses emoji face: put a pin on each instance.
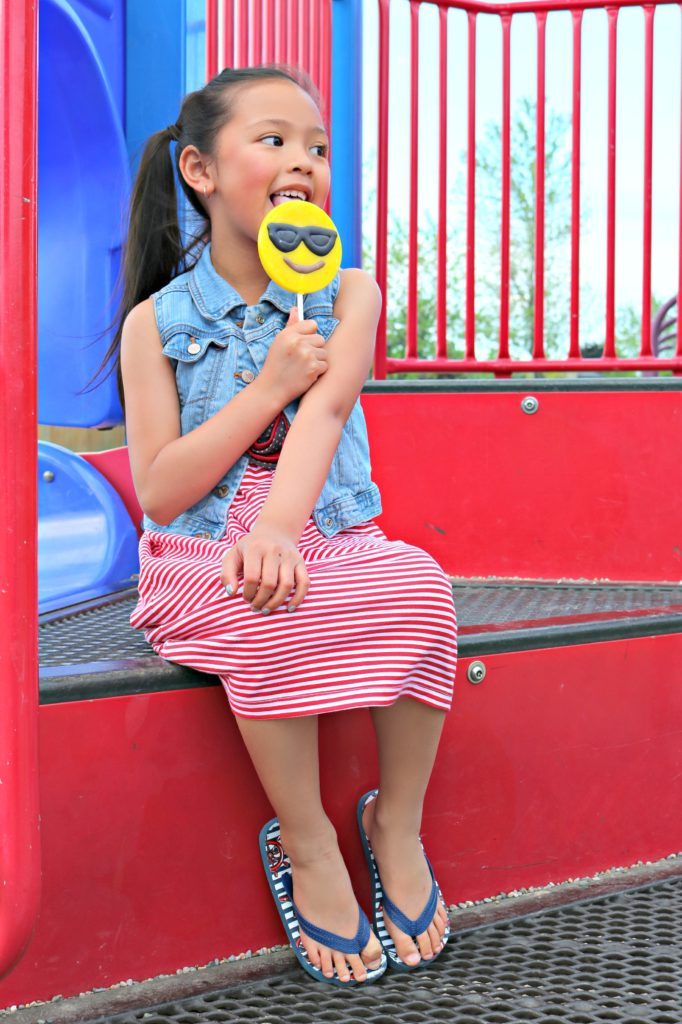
(299, 246)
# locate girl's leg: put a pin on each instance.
(285, 755)
(407, 738)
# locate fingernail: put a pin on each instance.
(230, 590)
(266, 611)
(375, 965)
(290, 609)
(412, 958)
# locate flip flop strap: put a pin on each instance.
(419, 924)
(324, 937)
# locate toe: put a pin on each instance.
(341, 966)
(424, 944)
(327, 963)
(407, 951)
(312, 949)
(357, 967)
(371, 954)
(434, 936)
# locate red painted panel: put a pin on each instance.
(587, 487)
(561, 763)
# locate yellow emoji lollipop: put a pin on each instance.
(299, 247)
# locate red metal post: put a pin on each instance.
(269, 32)
(211, 38)
(227, 48)
(645, 348)
(413, 238)
(503, 348)
(441, 282)
(380, 355)
(539, 311)
(470, 339)
(243, 54)
(19, 822)
(256, 32)
(293, 32)
(574, 346)
(610, 344)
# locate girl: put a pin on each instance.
(222, 385)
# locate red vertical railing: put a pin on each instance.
(503, 364)
(19, 829)
(574, 340)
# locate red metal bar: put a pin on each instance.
(304, 27)
(610, 344)
(380, 355)
(314, 13)
(413, 239)
(679, 252)
(441, 282)
(256, 32)
(293, 32)
(269, 31)
(574, 346)
(19, 820)
(211, 39)
(470, 327)
(481, 7)
(539, 311)
(645, 348)
(503, 348)
(504, 367)
(243, 58)
(227, 48)
(326, 76)
(282, 53)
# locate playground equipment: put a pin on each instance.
(552, 502)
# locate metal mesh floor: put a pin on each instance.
(612, 958)
(104, 633)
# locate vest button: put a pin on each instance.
(247, 375)
(328, 521)
(239, 323)
(193, 348)
(222, 490)
(207, 536)
(260, 319)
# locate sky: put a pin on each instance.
(629, 130)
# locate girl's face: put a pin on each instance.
(273, 144)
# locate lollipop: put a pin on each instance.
(299, 248)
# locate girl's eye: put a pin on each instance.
(277, 137)
(321, 146)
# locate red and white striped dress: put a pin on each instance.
(378, 621)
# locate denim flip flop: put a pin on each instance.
(383, 905)
(278, 874)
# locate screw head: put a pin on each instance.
(476, 672)
(530, 405)
(48, 476)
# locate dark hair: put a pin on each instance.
(154, 253)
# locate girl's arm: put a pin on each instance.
(314, 435)
(172, 472)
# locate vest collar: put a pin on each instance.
(215, 297)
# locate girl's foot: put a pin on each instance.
(405, 877)
(324, 895)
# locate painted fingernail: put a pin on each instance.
(266, 611)
(230, 590)
(290, 608)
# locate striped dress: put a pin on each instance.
(378, 621)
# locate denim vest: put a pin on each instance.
(217, 345)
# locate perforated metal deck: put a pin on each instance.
(614, 958)
(92, 650)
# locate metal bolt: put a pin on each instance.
(530, 405)
(48, 476)
(476, 672)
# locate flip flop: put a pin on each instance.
(278, 874)
(383, 905)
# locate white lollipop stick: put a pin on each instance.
(299, 301)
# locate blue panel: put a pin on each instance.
(87, 543)
(83, 188)
(347, 127)
(155, 66)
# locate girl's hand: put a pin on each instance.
(297, 357)
(271, 565)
